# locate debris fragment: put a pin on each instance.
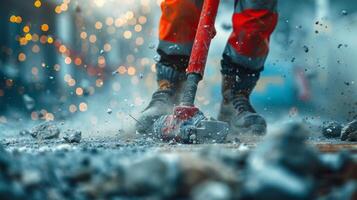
(29, 102)
(344, 12)
(24, 132)
(284, 157)
(72, 136)
(212, 190)
(306, 49)
(152, 46)
(109, 111)
(349, 132)
(47, 130)
(331, 129)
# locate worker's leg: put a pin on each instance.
(177, 31)
(244, 58)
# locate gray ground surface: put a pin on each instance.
(125, 165)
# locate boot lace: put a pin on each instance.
(242, 104)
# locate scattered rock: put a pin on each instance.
(31, 178)
(109, 111)
(29, 102)
(212, 191)
(72, 136)
(344, 12)
(44, 131)
(331, 129)
(281, 167)
(336, 162)
(346, 192)
(151, 175)
(24, 132)
(349, 132)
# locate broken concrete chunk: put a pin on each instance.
(31, 177)
(212, 191)
(336, 162)
(331, 129)
(349, 132)
(151, 175)
(72, 136)
(24, 132)
(281, 167)
(47, 130)
(346, 191)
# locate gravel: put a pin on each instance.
(283, 166)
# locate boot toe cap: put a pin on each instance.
(249, 122)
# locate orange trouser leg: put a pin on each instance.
(253, 23)
(178, 26)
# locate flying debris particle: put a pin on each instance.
(72, 136)
(344, 12)
(51, 77)
(109, 111)
(293, 59)
(101, 52)
(340, 45)
(306, 49)
(347, 83)
(29, 102)
(141, 75)
(226, 26)
(174, 47)
(115, 72)
(157, 58)
(152, 46)
(237, 79)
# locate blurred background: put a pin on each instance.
(91, 63)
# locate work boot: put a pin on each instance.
(170, 82)
(236, 109)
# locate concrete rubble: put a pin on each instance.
(349, 132)
(283, 166)
(45, 131)
(72, 136)
(331, 129)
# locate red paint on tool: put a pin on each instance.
(205, 33)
